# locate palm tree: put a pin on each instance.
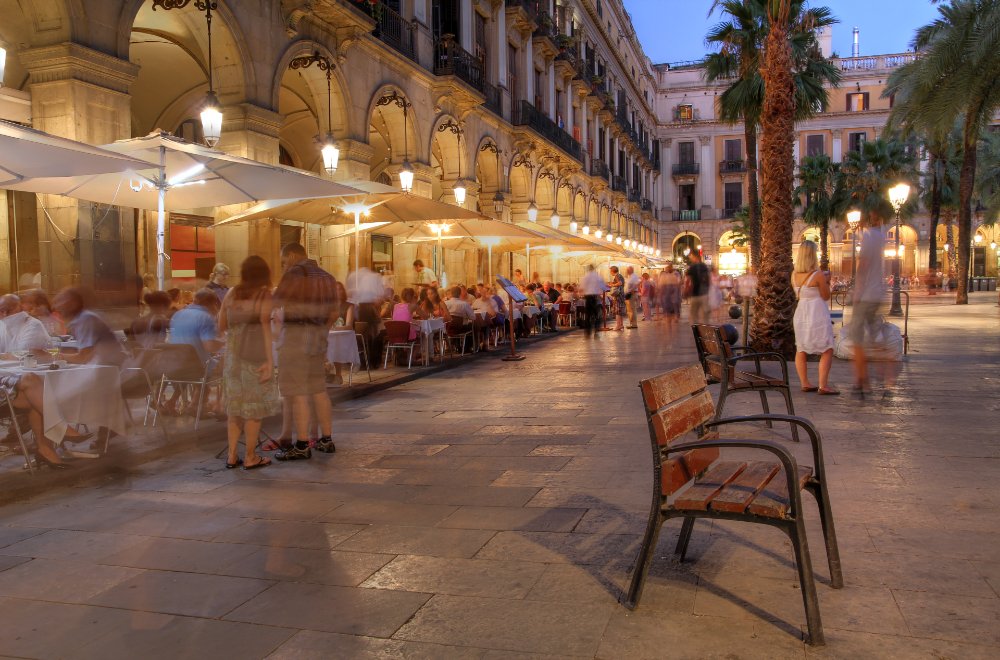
(955, 77)
(988, 180)
(741, 42)
(940, 184)
(822, 187)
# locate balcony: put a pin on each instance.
(875, 63)
(600, 168)
(691, 214)
(395, 31)
(732, 166)
(647, 205)
(730, 213)
(618, 183)
(530, 7)
(494, 102)
(685, 169)
(450, 59)
(634, 196)
(544, 36)
(526, 114)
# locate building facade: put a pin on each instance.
(533, 104)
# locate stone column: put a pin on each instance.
(706, 179)
(83, 94)
(568, 91)
(669, 190)
(838, 149)
(550, 85)
(465, 26)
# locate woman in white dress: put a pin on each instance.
(813, 329)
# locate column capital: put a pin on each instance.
(71, 61)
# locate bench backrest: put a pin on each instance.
(677, 404)
(713, 351)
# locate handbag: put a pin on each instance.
(251, 347)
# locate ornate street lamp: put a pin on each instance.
(532, 212)
(211, 109)
(406, 172)
(554, 220)
(329, 150)
(897, 197)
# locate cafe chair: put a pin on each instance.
(360, 330)
(137, 378)
(183, 369)
(457, 330)
(8, 413)
(397, 337)
(566, 313)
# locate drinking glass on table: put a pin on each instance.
(21, 355)
(53, 348)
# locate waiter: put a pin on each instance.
(425, 276)
(592, 286)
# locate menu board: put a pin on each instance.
(511, 289)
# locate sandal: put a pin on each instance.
(261, 462)
(828, 392)
(809, 389)
(230, 466)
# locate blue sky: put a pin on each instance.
(674, 30)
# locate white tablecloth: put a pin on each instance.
(427, 329)
(83, 394)
(342, 348)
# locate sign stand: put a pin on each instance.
(513, 295)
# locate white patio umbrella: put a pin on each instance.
(26, 153)
(376, 201)
(186, 176)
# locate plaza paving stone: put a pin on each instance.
(494, 511)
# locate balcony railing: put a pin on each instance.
(685, 169)
(874, 63)
(618, 183)
(693, 214)
(450, 59)
(546, 26)
(730, 213)
(634, 196)
(494, 101)
(363, 6)
(600, 168)
(732, 166)
(526, 114)
(395, 31)
(529, 6)
(647, 205)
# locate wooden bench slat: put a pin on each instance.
(701, 492)
(773, 501)
(680, 418)
(738, 493)
(671, 386)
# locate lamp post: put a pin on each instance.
(854, 221)
(440, 229)
(211, 109)
(406, 172)
(329, 150)
(897, 197)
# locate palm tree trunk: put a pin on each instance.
(824, 245)
(753, 194)
(935, 161)
(949, 238)
(775, 303)
(966, 180)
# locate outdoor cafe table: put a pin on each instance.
(76, 394)
(427, 329)
(342, 348)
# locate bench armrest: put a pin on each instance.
(802, 422)
(787, 460)
(758, 357)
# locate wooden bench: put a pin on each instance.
(719, 361)
(690, 480)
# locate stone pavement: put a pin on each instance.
(493, 511)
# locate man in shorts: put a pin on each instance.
(869, 289)
(307, 294)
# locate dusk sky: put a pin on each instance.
(674, 30)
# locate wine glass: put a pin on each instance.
(53, 348)
(21, 354)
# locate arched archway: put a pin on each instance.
(392, 130)
(733, 254)
(684, 244)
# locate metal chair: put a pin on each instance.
(183, 368)
(8, 392)
(137, 379)
(397, 336)
(456, 329)
(566, 313)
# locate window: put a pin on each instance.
(686, 153)
(734, 150)
(381, 253)
(685, 112)
(855, 140)
(857, 102)
(445, 18)
(539, 98)
(512, 73)
(479, 45)
(815, 145)
(600, 9)
(686, 201)
(732, 198)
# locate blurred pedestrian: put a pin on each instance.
(813, 329)
(869, 289)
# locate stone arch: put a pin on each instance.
(546, 197)
(34, 24)
(315, 79)
(171, 49)
(393, 137)
(686, 240)
(522, 180)
(448, 149)
(486, 169)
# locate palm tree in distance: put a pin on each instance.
(954, 77)
(821, 186)
(741, 40)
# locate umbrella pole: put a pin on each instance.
(161, 221)
(357, 244)
(489, 264)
